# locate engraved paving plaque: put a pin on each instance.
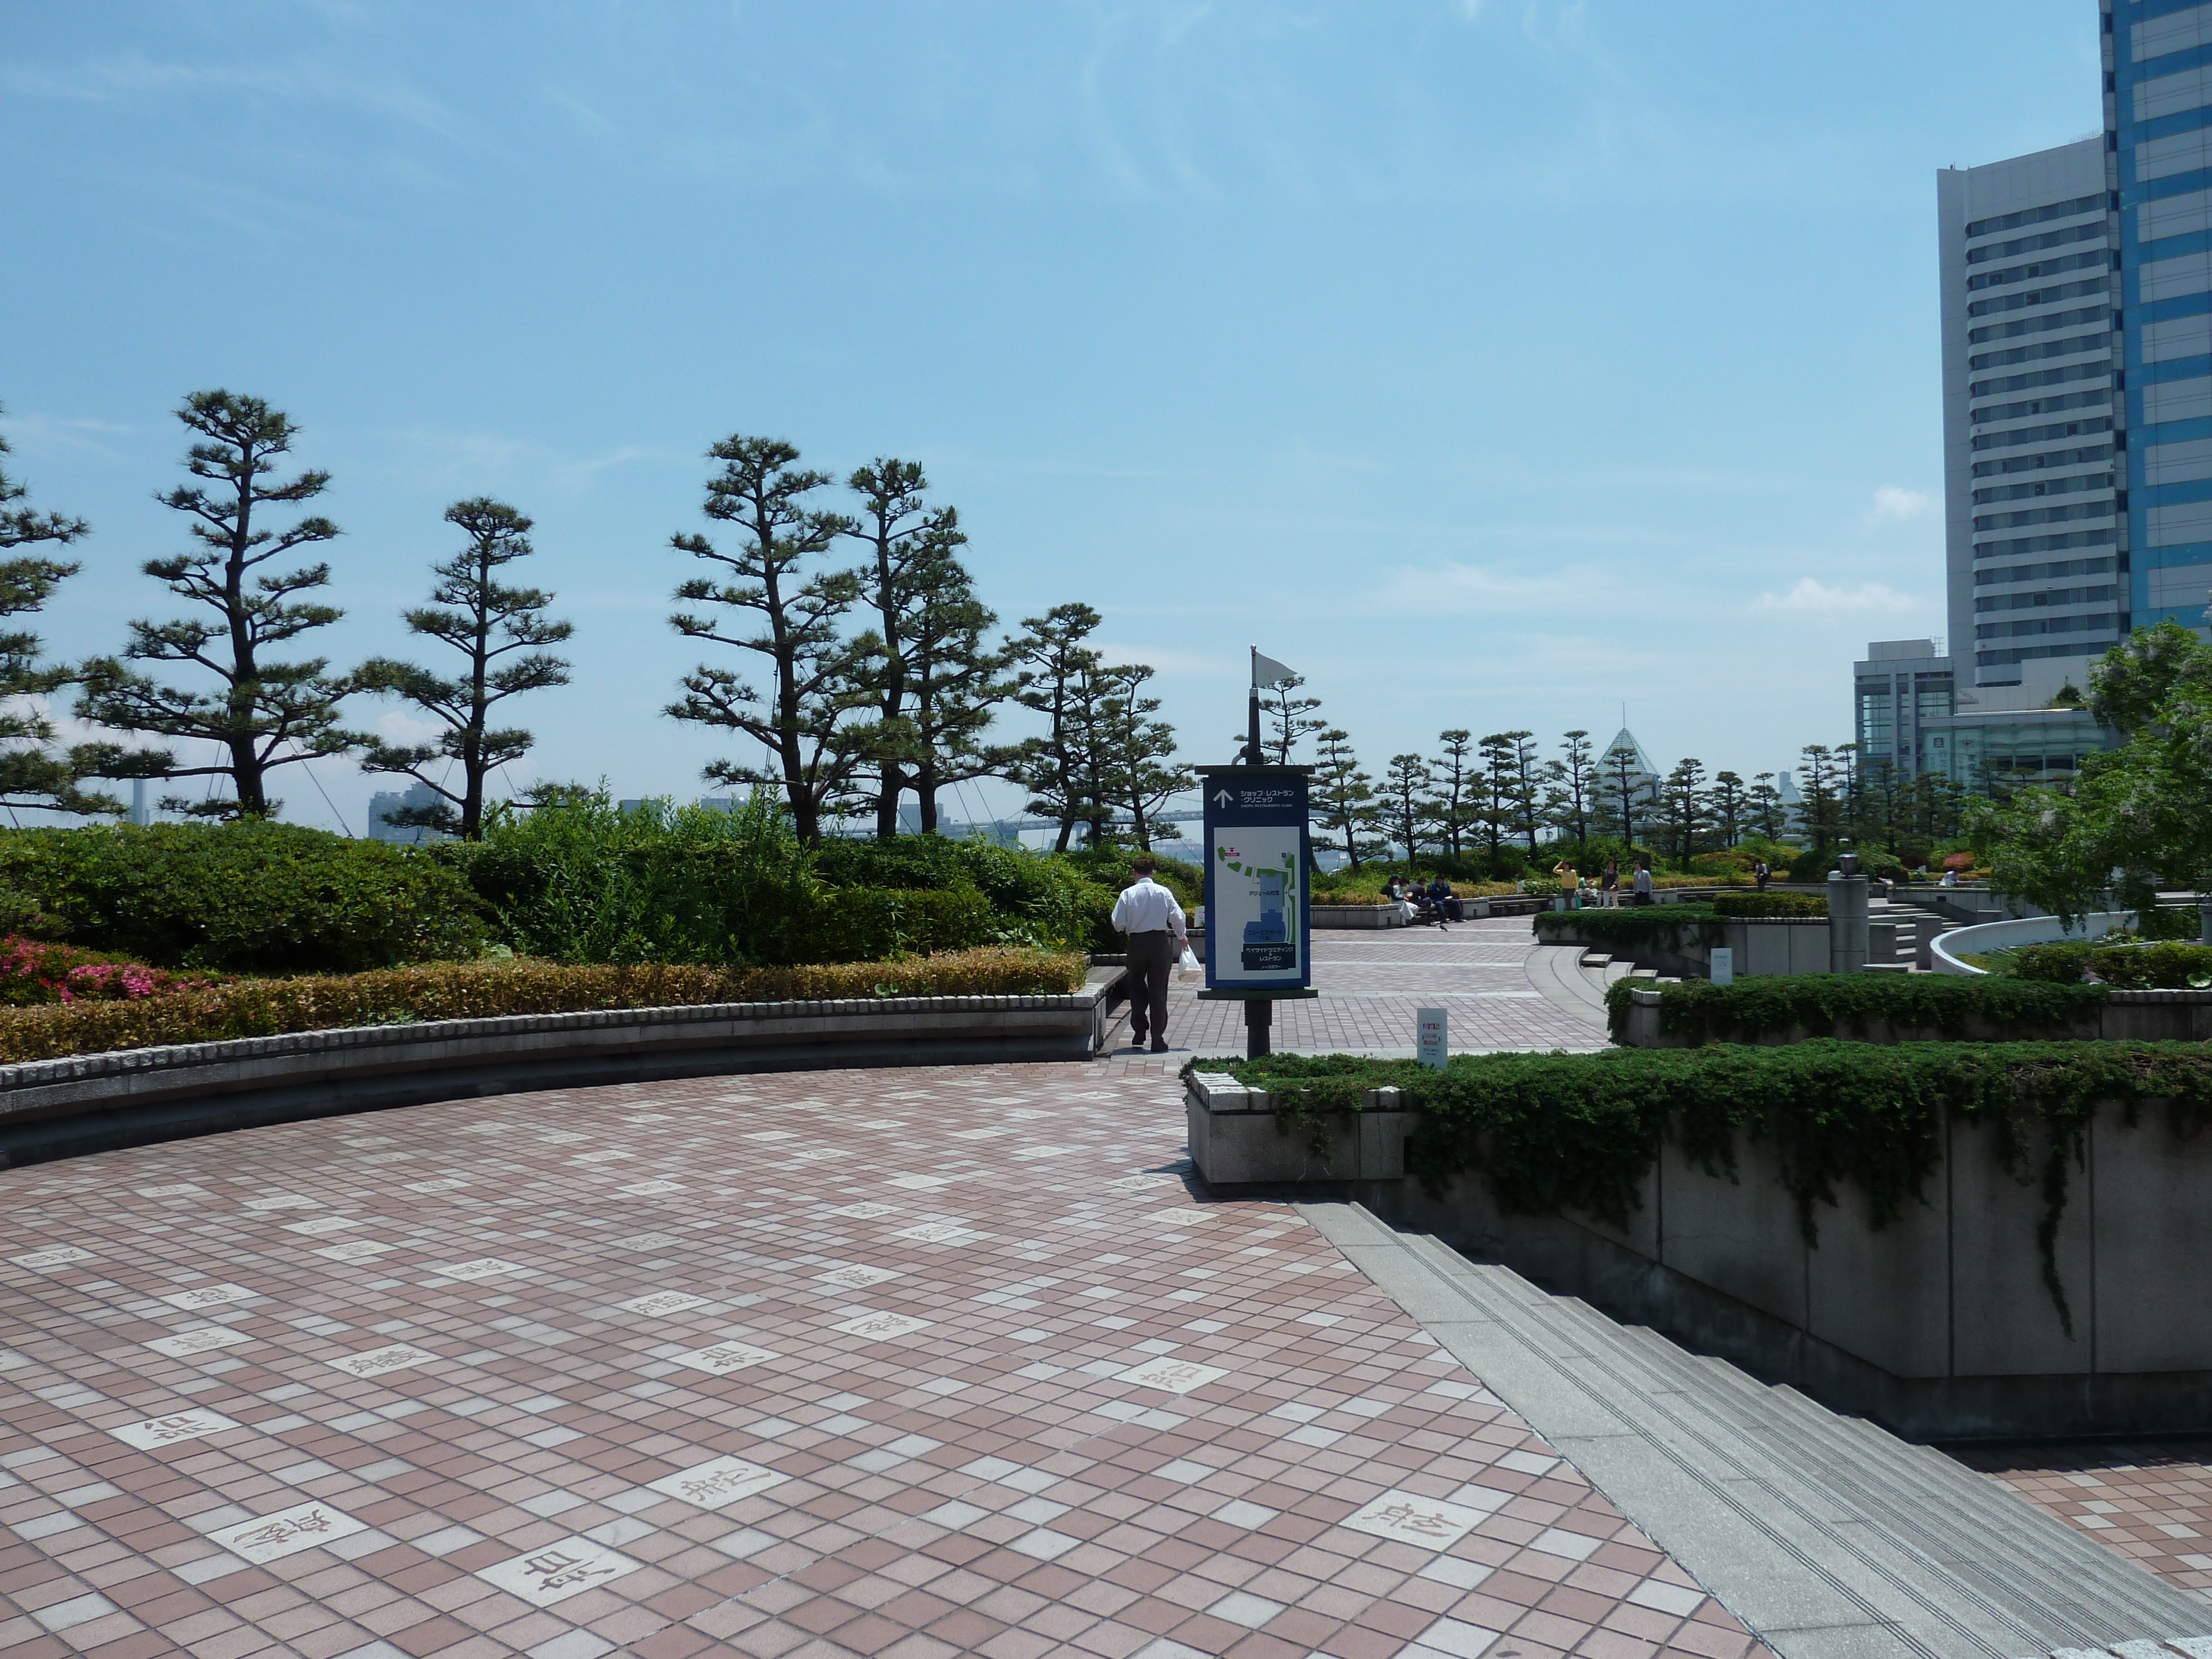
(375, 1362)
(723, 1480)
(484, 1266)
(59, 1256)
(192, 1424)
(272, 1537)
(184, 1343)
(881, 1325)
(723, 1358)
(1172, 1375)
(558, 1571)
(355, 1249)
(661, 1304)
(210, 1296)
(1410, 1518)
(323, 1224)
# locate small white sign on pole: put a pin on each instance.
(1431, 1043)
(1724, 965)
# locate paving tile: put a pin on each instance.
(2149, 1500)
(1006, 1437)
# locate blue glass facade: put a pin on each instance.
(2157, 120)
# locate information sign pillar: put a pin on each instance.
(1259, 924)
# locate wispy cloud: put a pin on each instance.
(1814, 595)
(1893, 504)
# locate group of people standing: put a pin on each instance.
(1602, 892)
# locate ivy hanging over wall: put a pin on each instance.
(1557, 1133)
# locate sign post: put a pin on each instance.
(1432, 1039)
(1259, 927)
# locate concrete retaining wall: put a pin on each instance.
(1938, 1324)
(88, 1102)
(1763, 945)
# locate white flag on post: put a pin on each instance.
(1266, 670)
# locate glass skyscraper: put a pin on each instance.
(2158, 143)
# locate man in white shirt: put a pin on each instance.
(1149, 915)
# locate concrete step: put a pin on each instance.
(1828, 1537)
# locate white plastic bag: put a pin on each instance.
(1187, 969)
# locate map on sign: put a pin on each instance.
(1256, 916)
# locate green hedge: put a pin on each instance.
(1771, 904)
(1840, 1005)
(1634, 924)
(247, 898)
(481, 990)
(2166, 967)
(1552, 1133)
(581, 881)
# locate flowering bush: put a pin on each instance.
(33, 972)
(205, 1011)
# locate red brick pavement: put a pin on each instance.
(2151, 1501)
(1371, 983)
(907, 1363)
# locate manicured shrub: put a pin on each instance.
(582, 881)
(1769, 904)
(1844, 1005)
(481, 990)
(1632, 925)
(2161, 967)
(248, 897)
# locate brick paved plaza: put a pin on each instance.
(1370, 983)
(911, 1363)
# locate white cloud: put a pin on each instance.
(1893, 505)
(1812, 595)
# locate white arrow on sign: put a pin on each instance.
(1225, 799)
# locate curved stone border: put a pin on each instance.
(1988, 936)
(92, 1102)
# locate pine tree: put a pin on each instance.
(1287, 720)
(806, 718)
(1343, 797)
(1682, 807)
(262, 714)
(1574, 780)
(33, 772)
(1457, 810)
(1627, 791)
(1816, 781)
(956, 685)
(1140, 771)
(1059, 679)
(905, 537)
(488, 622)
(1764, 805)
(1405, 802)
(1728, 803)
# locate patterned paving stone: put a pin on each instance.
(896, 1362)
(1372, 983)
(2149, 1500)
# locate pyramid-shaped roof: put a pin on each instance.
(1626, 738)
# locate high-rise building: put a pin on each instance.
(2036, 549)
(2158, 144)
(2039, 540)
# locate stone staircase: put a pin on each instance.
(1827, 1536)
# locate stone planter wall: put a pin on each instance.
(61, 1108)
(1237, 1139)
(1762, 945)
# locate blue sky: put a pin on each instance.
(1494, 365)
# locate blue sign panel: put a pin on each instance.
(1259, 932)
